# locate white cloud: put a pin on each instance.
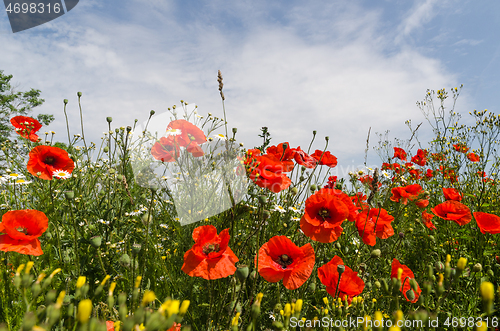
(324, 68)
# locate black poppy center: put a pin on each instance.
(50, 160)
(324, 213)
(210, 248)
(284, 261)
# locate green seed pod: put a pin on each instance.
(410, 295)
(96, 241)
(65, 101)
(294, 190)
(125, 261)
(338, 245)
(242, 273)
(262, 199)
(375, 253)
(313, 188)
(79, 94)
(477, 267)
(70, 195)
(109, 119)
(312, 287)
(377, 284)
(119, 177)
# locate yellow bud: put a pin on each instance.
(282, 313)
(487, 291)
(84, 310)
(293, 308)
(149, 296)
(234, 322)
(112, 288)
(326, 311)
(399, 315)
(259, 297)
(19, 269)
(288, 310)
(441, 278)
(298, 305)
(184, 307)
(105, 280)
(81, 281)
(60, 299)
(379, 317)
(40, 277)
(29, 265)
(481, 327)
(325, 300)
(137, 281)
(374, 300)
(462, 262)
(58, 270)
(400, 273)
(448, 258)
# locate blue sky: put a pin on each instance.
(338, 67)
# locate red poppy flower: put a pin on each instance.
(461, 148)
(325, 158)
(26, 127)
(422, 203)
(473, 157)
(195, 149)
(166, 150)
(350, 284)
(487, 222)
(399, 153)
(21, 230)
(359, 201)
(110, 325)
(210, 257)
(374, 223)
(284, 153)
(332, 180)
(452, 194)
(175, 327)
(404, 193)
(190, 133)
(405, 279)
(47, 159)
(280, 258)
(453, 211)
(429, 174)
(420, 158)
(304, 159)
(324, 213)
(427, 219)
(267, 171)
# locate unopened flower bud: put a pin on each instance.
(65, 101)
(152, 112)
(477, 267)
(96, 241)
(242, 272)
(375, 253)
(109, 119)
(79, 94)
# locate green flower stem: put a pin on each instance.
(75, 239)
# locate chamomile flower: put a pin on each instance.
(13, 175)
(20, 181)
(295, 210)
(279, 208)
(220, 136)
(173, 132)
(103, 222)
(61, 174)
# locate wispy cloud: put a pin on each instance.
(294, 67)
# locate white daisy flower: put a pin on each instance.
(103, 222)
(21, 181)
(13, 175)
(173, 132)
(279, 208)
(295, 210)
(220, 136)
(61, 174)
(136, 212)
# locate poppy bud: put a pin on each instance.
(65, 101)
(313, 188)
(439, 266)
(266, 214)
(253, 274)
(377, 284)
(262, 199)
(69, 195)
(129, 128)
(432, 238)
(109, 119)
(50, 297)
(427, 288)
(294, 190)
(414, 285)
(125, 260)
(79, 94)
(338, 245)
(314, 132)
(312, 287)
(96, 241)
(235, 130)
(401, 235)
(385, 286)
(119, 177)
(152, 112)
(375, 253)
(242, 272)
(477, 267)
(278, 307)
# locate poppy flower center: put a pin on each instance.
(22, 230)
(50, 160)
(284, 261)
(324, 213)
(210, 248)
